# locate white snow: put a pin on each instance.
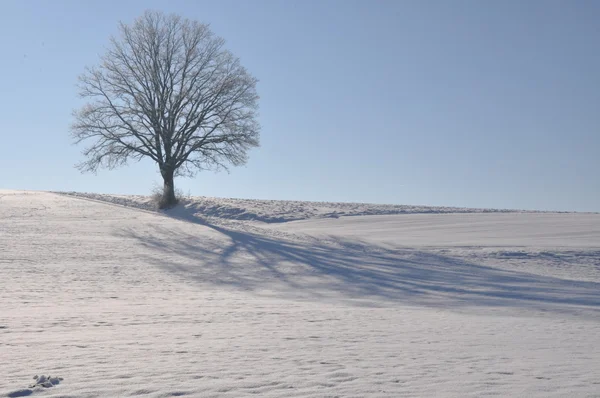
(219, 298)
(276, 211)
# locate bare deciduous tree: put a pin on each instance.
(167, 90)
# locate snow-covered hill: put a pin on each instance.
(221, 298)
(277, 211)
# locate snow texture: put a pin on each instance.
(222, 298)
(277, 211)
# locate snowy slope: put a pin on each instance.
(277, 211)
(573, 230)
(122, 301)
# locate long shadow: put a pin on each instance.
(353, 270)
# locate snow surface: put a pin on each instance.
(221, 298)
(276, 211)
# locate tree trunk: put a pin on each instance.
(168, 198)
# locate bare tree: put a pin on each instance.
(167, 90)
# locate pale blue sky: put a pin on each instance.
(458, 103)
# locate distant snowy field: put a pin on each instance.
(233, 298)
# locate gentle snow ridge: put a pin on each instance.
(277, 211)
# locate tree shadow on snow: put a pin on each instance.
(354, 270)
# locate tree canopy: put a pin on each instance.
(168, 90)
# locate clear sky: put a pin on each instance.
(458, 103)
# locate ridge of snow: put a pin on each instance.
(280, 211)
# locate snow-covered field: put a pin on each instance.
(221, 298)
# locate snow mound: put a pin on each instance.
(276, 211)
